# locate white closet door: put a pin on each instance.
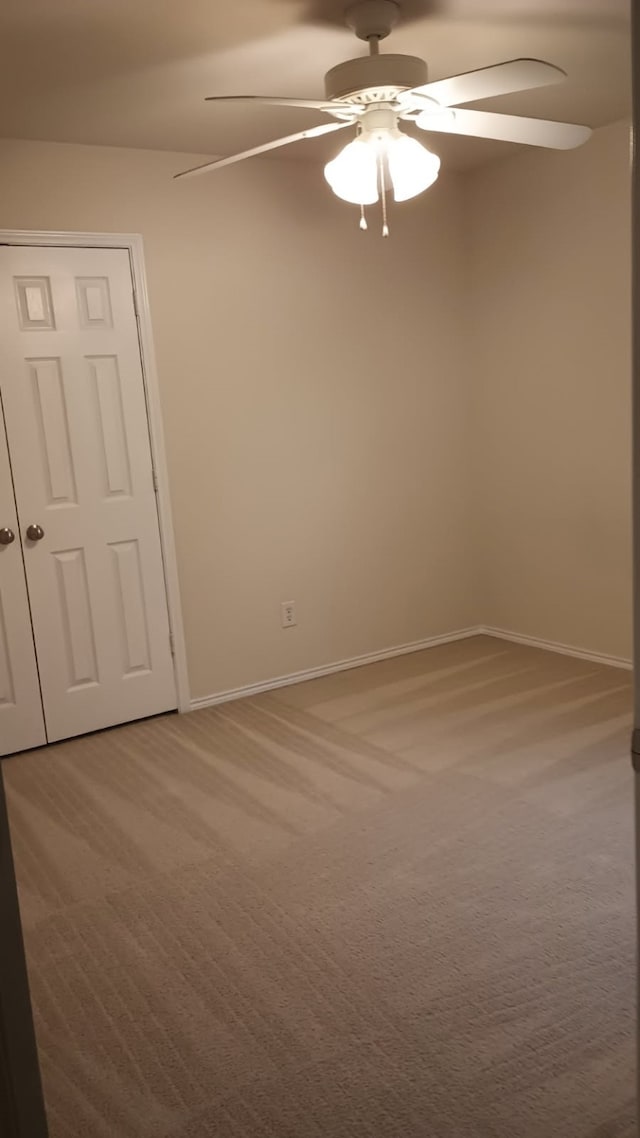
(21, 719)
(78, 438)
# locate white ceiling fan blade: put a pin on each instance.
(313, 132)
(501, 79)
(506, 128)
(276, 101)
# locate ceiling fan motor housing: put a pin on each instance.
(374, 78)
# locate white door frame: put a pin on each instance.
(132, 243)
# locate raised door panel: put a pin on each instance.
(79, 657)
(75, 395)
(50, 410)
(111, 426)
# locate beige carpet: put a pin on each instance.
(392, 903)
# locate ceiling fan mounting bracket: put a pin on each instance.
(375, 78)
(372, 19)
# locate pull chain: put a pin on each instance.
(363, 220)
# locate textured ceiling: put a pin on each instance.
(135, 72)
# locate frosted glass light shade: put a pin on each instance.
(353, 173)
(412, 168)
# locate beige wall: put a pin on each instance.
(405, 437)
(313, 396)
(549, 243)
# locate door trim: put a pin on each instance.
(133, 244)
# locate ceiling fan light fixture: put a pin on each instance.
(353, 173)
(412, 168)
(374, 93)
(356, 172)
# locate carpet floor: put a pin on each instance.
(395, 902)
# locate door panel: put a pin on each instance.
(21, 718)
(74, 398)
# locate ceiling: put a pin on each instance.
(135, 72)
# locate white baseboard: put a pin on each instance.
(553, 646)
(403, 650)
(329, 669)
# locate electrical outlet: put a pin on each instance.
(288, 614)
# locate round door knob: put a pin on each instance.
(6, 536)
(34, 533)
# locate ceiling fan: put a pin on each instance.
(376, 92)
